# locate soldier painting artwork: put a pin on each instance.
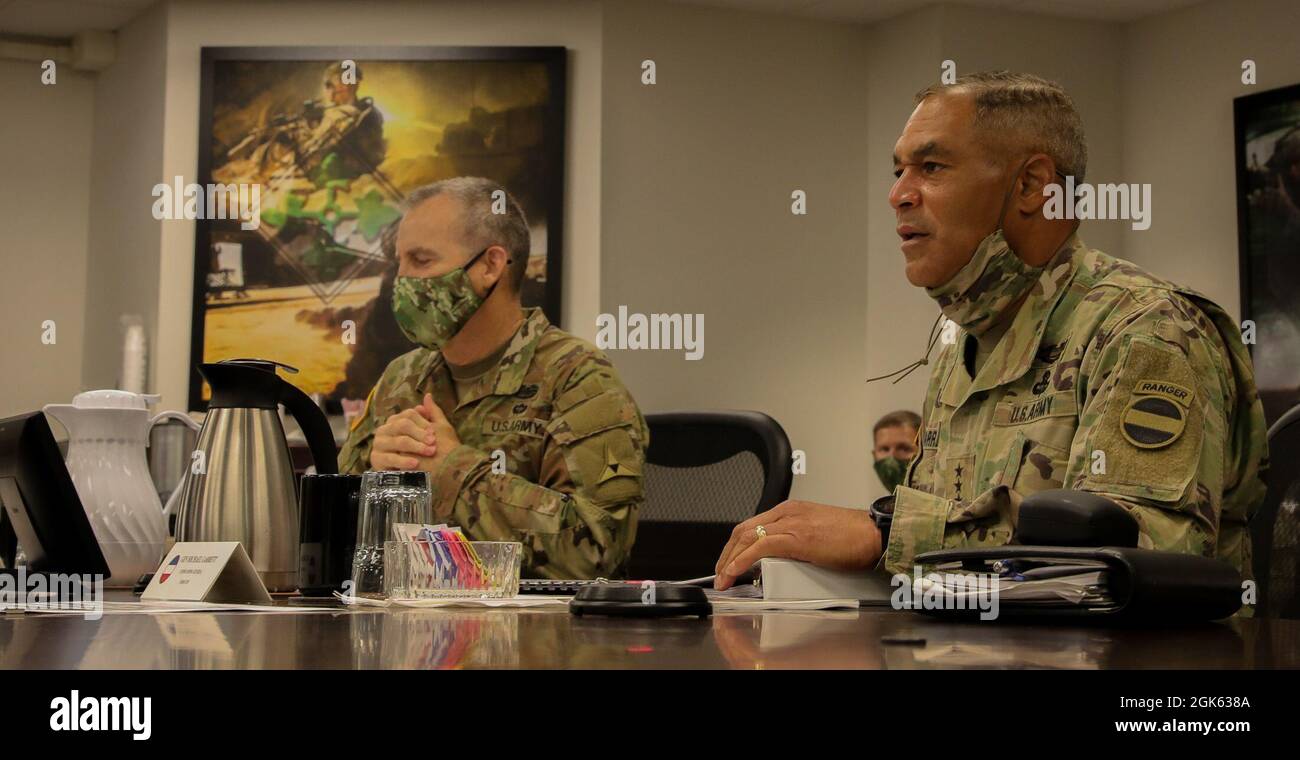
(334, 139)
(1268, 224)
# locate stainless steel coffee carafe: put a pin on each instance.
(241, 485)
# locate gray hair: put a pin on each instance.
(1024, 112)
(480, 227)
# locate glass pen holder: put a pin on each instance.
(451, 569)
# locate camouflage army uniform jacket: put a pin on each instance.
(552, 449)
(1107, 380)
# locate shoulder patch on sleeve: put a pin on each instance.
(1152, 422)
(1151, 427)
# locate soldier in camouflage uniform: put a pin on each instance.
(534, 438)
(1108, 380)
(1063, 367)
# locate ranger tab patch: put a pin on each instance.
(1171, 391)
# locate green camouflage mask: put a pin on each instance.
(891, 471)
(431, 310)
(993, 279)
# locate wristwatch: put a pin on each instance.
(882, 514)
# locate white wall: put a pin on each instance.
(122, 273)
(1182, 71)
(697, 175)
(904, 56)
(45, 155)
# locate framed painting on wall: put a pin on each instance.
(319, 146)
(1267, 127)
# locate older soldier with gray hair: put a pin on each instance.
(527, 432)
(1070, 368)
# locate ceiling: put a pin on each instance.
(64, 18)
(862, 11)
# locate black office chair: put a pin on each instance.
(705, 472)
(1275, 528)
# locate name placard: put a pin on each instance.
(207, 571)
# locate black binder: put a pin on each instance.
(1145, 585)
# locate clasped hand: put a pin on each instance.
(418, 438)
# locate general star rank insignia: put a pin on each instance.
(1156, 415)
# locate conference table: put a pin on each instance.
(323, 634)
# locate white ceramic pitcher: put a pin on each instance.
(108, 431)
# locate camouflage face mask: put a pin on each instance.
(431, 310)
(891, 470)
(993, 279)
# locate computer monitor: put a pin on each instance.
(39, 506)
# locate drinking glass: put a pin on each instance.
(387, 497)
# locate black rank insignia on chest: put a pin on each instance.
(1048, 354)
(1041, 385)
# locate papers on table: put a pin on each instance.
(528, 600)
(155, 607)
(1049, 582)
(749, 598)
(737, 599)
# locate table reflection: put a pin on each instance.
(439, 639)
(798, 640)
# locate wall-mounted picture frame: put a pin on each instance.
(1267, 137)
(324, 143)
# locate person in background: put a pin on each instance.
(893, 445)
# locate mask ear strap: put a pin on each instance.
(1006, 198)
(470, 263)
(476, 257)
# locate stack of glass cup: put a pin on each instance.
(388, 566)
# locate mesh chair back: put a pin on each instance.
(1275, 528)
(705, 472)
